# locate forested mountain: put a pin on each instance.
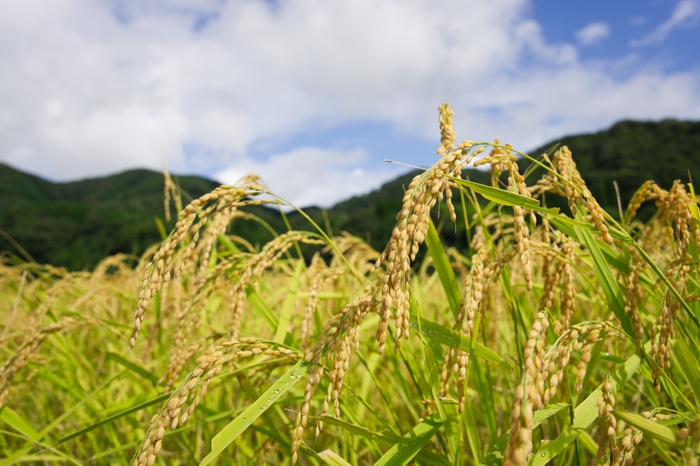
(77, 224)
(631, 152)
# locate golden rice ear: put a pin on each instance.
(527, 397)
(29, 347)
(174, 413)
(169, 192)
(339, 340)
(198, 213)
(608, 449)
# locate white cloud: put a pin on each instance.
(311, 176)
(593, 33)
(88, 88)
(685, 13)
(587, 99)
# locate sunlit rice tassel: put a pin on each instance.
(339, 339)
(161, 268)
(410, 232)
(632, 438)
(527, 395)
(175, 413)
(608, 452)
(468, 309)
(521, 234)
(568, 292)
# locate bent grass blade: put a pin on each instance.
(506, 198)
(449, 337)
(331, 458)
(236, 427)
(385, 438)
(405, 449)
(444, 270)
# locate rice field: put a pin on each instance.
(561, 336)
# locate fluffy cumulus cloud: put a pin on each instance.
(307, 175)
(88, 88)
(593, 33)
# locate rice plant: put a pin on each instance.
(562, 335)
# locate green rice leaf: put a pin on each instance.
(331, 458)
(114, 417)
(502, 197)
(484, 384)
(17, 422)
(161, 229)
(411, 443)
(610, 286)
(227, 243)
(567, 225)
(687, 362)
(443, 267)
(133, 367)
(236, 427)
(651, 429)
(449, 337)
(385, 438)
(615, 258)
(288, 306)
(260, 306)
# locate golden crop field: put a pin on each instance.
(561, 336)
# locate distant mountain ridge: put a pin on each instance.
(77, 224)
(631, 152)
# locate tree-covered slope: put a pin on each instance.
(631, 152)
(77, 224)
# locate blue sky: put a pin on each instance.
(313, 95)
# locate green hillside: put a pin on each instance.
(631, 152)
(76, 224)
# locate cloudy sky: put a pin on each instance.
(313, 95)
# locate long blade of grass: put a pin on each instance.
(161, 229)
(443, 268)
(650, 429)
(133, 367)
(402, 452)
(331, 458)
(260, 306)
(467, 418)
(114, 417)
(288, 306)
(385, 438)
(17, 422)
(687, 361)
(449, 337)
(447, 412)
(484, 386)
(227, 243)
(19, 454)
(611, 287)
(236, 427)
(506, 198)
